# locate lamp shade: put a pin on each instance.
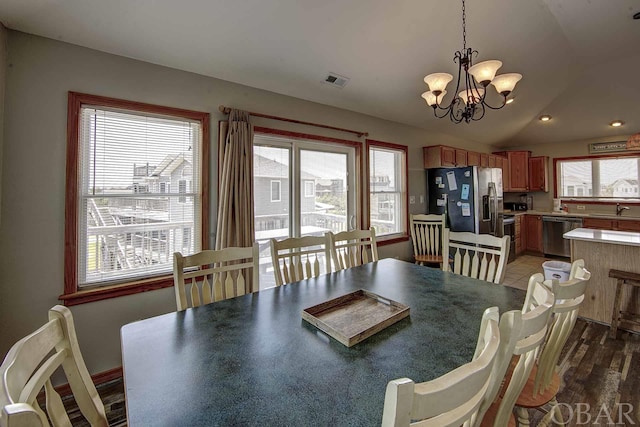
(431, 98)
(473, 93)
(485, 71)
(505, 83)
(438, 82)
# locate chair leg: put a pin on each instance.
(554, 416)
(523, 416)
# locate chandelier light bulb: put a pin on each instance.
(505, 83)
(438, 82)
(485, 71)
(430, 98)
(471, 96)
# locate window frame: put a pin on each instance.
(72, 295)
(272, 199)
(404, 234)
(591, 200)
(311, 193)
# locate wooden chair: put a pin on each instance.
(353, 248)
(521, 335)
(543, 382)
(480, 256)
(28, 367)
(210, 275)
(426, 234)
(455, 397)
(299, 258)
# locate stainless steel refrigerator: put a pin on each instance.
(471, 197)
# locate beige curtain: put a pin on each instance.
(235, 192)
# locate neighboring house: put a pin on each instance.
(573, 186)
(625, 188)
(384, 209)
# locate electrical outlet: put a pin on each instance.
(412, 200)
(580, 207)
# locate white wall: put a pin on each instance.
(40, 73)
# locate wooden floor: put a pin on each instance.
(598, 373)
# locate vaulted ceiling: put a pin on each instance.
(580, 59)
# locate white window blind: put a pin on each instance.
(599, 178)
(135, 209)
(387, 190)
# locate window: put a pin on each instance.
(605, 177)
(314, 182)
(124, 220)
(387, 188)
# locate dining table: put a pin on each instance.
(253, 360)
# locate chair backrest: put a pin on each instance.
(28, 367)
(481, 256)
(210, 275)
(299, 258)
(455, 397)
(521, 334)
(426, 234)
(352, 248)
(568, 295)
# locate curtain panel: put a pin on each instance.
(235, 226)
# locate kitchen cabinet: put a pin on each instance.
(539, 173)
(517, 170)
(519, 234)
(484, 160)
(611, 224)
(473, 158)
(441, 156)
(533, 233)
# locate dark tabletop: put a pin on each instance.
(252, 360)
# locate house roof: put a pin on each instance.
(168, 165)
(268, 168)
(579, 59)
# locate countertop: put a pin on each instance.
(626, 238)
(571, 214)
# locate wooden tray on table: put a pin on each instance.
(356, 316)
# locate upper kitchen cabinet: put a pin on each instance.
(441, 156)
(517, 170)
(538, 173)
(473, 158)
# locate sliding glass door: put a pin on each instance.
(301, 188)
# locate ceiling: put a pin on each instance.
(579, 59)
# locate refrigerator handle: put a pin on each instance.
(493, 209)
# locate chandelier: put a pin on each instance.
(470, 103)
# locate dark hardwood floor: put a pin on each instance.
(595, 369)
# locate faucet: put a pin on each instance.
(619, 209)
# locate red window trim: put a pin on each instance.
(397, 237)
(72, 294)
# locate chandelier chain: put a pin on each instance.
(464, 27)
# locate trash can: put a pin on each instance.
(556, 270)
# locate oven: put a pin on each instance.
(509, 222)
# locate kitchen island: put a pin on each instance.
(603, 250)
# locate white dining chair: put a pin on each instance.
(543, 383)
(299, 258)
(480, 256)
(353, 248)
(426, 235)
(455, 397)
(214, 275)
(27, 370)
(522, 332)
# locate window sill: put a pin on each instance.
(391, 239)
(114, 291)
(596, 201)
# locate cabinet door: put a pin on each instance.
(492, 161)
(520, 235)
(448, 156)
(628, 225)
(518, 170)
(503, 163)
(533, 225)
(538, 172)
(484, 160)
(461, 157)
(599, 223)
(473, 158)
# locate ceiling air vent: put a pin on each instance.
(336, 80)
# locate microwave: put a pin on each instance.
(515, 206)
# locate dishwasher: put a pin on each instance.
(553, 227)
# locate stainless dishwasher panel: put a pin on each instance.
(553, 227)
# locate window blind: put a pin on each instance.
(140, 186)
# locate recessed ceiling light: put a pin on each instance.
(616, 123)
(509, 101)
(545, 118)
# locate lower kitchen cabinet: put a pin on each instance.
(533, 233)
(611, 224)
(520, 234)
